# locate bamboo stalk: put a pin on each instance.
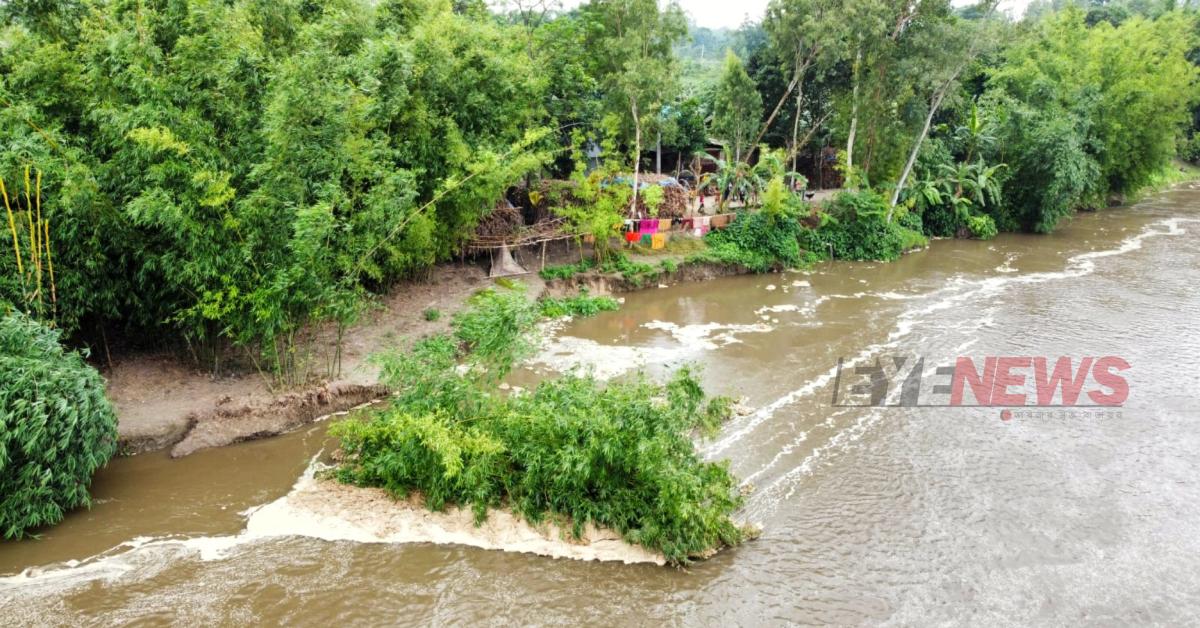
(50, 263)
(41, 243)
(12, 227)
(29, 218)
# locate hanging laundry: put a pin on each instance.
(632, 236)
(658, 241)
(647, 239)
(664, 224)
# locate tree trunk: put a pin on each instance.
(796, 130)
(912, 155)
(658, 153)
(801, 66)
(637, 154)
(853, 115)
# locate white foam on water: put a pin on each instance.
(958, 291)
(603, 361)
(362, 516)
(787, 307)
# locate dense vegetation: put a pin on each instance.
(574, 450)
(56, 426)
(226, 173)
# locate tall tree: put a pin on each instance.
(806, 37)
(630, 46)
(947, 48)
(737, 107)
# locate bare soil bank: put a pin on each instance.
(162, 403)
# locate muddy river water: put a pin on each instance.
(904, 515)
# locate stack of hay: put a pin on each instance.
(503, 221)
(675, 196)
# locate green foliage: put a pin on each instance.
(56, 427)
(618, 456)
(982, 227)
(581, 305)
(431, 314)
(858, 230)
(233, 171)
(638, 273)
(737, 107)
(566, 271)
(652, 196)
(496, 328)
(1089, 111)
(759, 241)
(1189, 151)
(951, 196)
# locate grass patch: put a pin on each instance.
(678, 244)
(431, 314)
(566, 271)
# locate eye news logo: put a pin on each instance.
(1032, 386)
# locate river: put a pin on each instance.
(902, 515)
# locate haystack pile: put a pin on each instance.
(551, 193)
(675, 197)
(503, 221)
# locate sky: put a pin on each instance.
(731, 13)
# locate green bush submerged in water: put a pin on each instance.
(56, 427)
(619, 456)
(580, 305)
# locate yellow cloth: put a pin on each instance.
(658, 241)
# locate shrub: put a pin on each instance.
(859, 230)
(566, 271)
(758, 241)
(495, 328)
(431, 314)
(1189, 151)
(56, 427)
(580, 305)
(619, 456)
(982, 227)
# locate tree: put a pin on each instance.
(949, 46)
(737, 107)
(1086, 112)
(805, 36)
(630, 49)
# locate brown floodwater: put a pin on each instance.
(871, 515)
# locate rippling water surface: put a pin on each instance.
(899, 515)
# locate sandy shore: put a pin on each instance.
(327, 509)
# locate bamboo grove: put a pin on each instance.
(223, 174)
